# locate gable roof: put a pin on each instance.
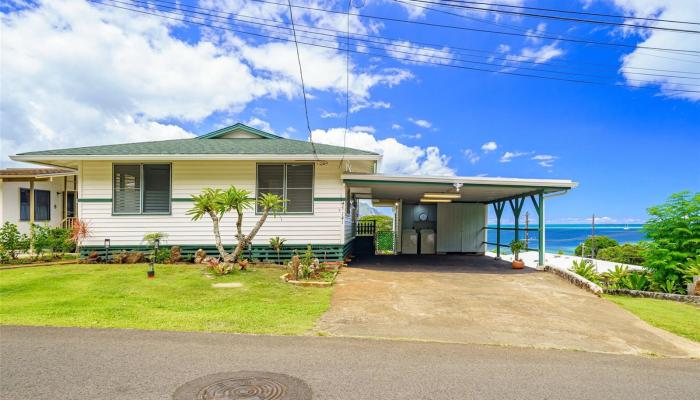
(238, 127)
(208, 146)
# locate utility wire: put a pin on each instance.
(448, 52)
(445, 26)
(301, 75)
(384, 55)
(347, 81)
(556, 17)
(594, 14)
(227, 16)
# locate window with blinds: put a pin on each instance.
(141, 189)
(293, 182)
(42, 205)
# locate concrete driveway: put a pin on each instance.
(474, 299)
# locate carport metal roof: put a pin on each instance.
(410, 188)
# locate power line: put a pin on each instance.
(528, 33)
(445, 26)
(226, 16)
(301, 75)
(503, 72)
(556, 17)
(347, 81)
(595, 14)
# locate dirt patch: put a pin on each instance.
(471, 299)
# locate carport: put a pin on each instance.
(449, 214)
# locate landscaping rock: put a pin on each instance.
(93, 257)
(575, 279)
(175, 254)
(655, 295)
(200, 256)
(121, 257)
(133, 258)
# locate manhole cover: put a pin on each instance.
(248, 385)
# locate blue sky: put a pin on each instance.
(77, 73)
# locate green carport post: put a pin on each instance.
(539, 206)
(498, 208)
(516, 205)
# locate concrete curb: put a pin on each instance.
(655, 295)
(575, 279)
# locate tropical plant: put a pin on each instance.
(79, 231)
(585, 269)
(669, 286)
(635, 281)
(691, 269)
(276, 243)
(12, 241)
(613, 278)
(516, 246)
(150, 238)
(306, 267)
(594, 244)
(216, 203)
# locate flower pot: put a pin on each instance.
(151, 274)
(518, 264)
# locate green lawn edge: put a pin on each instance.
(180, 298)
(679, 318)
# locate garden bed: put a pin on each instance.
(324, 278)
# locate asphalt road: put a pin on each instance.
(68, 363)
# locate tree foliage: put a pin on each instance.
(383, 222)
(628, 253)
(674, 231)
(11, 241)
(594, 244)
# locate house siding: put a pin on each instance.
(326, 225)
(10, 205)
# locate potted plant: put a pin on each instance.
(516, 246)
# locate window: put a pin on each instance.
(293, 182)
(42, 205)
(141, 189)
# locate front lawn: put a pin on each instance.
(679, 318)
(179, 298)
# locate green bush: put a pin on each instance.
(635, 281)
(628, 253)
(614, 279)
(594, 244)
(54, 240)
(674, 231)
(11, 241)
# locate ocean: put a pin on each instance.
(565, 237)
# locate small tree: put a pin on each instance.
(276, 243)
(216, 203)
(79, 231)
(594, 244)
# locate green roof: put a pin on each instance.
(211, 145)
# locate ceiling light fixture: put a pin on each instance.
(434, 200)
(443, 195)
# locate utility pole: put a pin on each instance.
(527, 230)
(593, 236)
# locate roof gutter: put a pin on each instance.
(196, 157)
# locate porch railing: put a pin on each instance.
(366, 228)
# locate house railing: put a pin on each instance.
(67, 223)
(366, 228)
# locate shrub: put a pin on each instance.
(594, 244)
(614, 279)
(586, 269)
(627, 253)
(55, 240)
(11, 241)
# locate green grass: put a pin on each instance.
(679, 318)
(179, 298)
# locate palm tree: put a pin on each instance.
(216, 203)
(276, 243)
(208, 203)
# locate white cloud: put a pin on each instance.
(421, 122)
(531, 35)
(508, 156)
(398, 158)
(396, 127)
(256, 122)
(414, 136)
(538, 55)
(411, 53)
(641, 59)
(489, 146)
(330, 114)
(545, 160)
(471, 155)
(78, 73)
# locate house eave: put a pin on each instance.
(173, 157)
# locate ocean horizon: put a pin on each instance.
(565, 237)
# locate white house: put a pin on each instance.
(37, 195)
(129, 190)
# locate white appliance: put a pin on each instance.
(409, 241)
(427, 241)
